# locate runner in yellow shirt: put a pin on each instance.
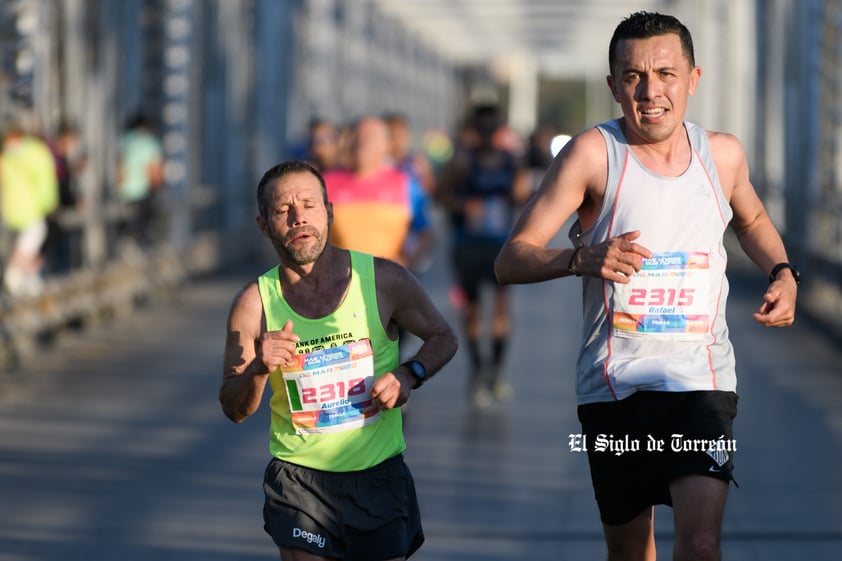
(28, 193)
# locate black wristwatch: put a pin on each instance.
(796, 274)
(418, 371)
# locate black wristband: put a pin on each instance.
(572, 257)
(796, 274)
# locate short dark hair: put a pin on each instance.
(642, 25)
(281, 170)
(395, 117)
(138, 119)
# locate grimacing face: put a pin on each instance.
(297, 220)
(652, 81)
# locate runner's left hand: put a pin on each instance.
(390, 390)
(778, 308)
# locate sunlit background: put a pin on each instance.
(231, 86)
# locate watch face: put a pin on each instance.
(417, 369)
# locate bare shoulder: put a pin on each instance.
(397, 286)
(575, 181)
(392, 276)
(726, 148)
(397, 290)
(584, 156)
(730, 160)
(589, 139)
(246, 310)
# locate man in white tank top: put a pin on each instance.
(653, 195)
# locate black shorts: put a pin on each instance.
(638, 445)
(473, 261)
(368, 515)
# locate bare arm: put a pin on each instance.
(575, 182)
(155, 173)
(754, 230)
(251, 354)
(425, 173)
(403, 302)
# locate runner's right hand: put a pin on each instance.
(616, 259)
(277, 348)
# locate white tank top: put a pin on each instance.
(665, 330)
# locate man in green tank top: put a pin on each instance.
(322, 329)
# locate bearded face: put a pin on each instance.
(300, 246)
(297, 219)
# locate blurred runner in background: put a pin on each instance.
(482, 188)
(323, 145)
(373, 200)
(419, 242)
(140, 179)
(28, 194)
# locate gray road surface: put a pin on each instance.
(113, 446)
